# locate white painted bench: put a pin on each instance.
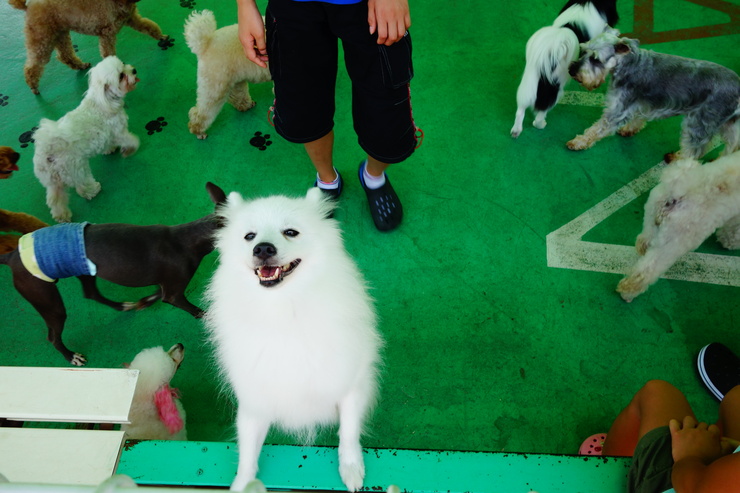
(74, 395)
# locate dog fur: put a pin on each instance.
(13, 224)
(156, 369)
(646, 85)
(129, 255)
(689, 204)
(224, 72)
(293, 327)
(99, 125)
(48, 23)
(550, 51)
(8, 162)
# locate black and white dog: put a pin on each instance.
(550, 51)
(646, 85)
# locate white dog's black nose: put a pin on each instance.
(264, 251)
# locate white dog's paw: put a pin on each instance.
(78, 360)
(352, 475)
(128, 151)
(516, 130)
(89, 191)
(579, 143)
(632, 286)
(62, 215)
(130, 146)
(255, 486)
(243, 482)
(539, 124)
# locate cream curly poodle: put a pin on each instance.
(99, 125)
(224, 72)
(691, 202)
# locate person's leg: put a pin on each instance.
(303, 63)
(320, 152)
(654, 405)
(729, 414)
(375, 168)
(381, 107)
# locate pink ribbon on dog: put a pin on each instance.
(164, 399)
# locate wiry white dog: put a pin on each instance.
(99, 125)
(224, 72)
(156, 412)
(293, 327)
(689, 204)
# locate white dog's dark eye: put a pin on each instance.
(120, 77)
(291, 233)
(250, 236)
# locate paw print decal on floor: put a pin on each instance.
(74, 47)
(156, 125)
(260, 141)
(4, 99)
(188, 4)
(27, 137)
(165, 43)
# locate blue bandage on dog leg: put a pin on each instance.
(59, 251)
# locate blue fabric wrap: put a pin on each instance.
(60, 250)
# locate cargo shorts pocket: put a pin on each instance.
(395, 62)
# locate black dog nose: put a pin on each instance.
(134, 72)
(264, 251)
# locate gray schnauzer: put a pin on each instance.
(647, 86)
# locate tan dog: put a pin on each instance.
(8, 160)
(48, 23)
(224, 73)
(14, 223)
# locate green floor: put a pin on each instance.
(488, 348)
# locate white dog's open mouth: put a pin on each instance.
(271, 275)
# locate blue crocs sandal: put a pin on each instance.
(719, 369)
(385, 206)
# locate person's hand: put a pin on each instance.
(252, 32)
(692, 439)
(389, 18)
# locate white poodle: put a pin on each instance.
(156, 412)
(224, 71)
(98, 125)
(684, 209)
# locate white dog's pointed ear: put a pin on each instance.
(321, 201)
(234, 199)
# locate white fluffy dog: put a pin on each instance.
(98, 125)
(293, 327)
(684, 209)
(224, 72)
(156, 412)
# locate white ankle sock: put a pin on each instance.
(372, 182)
(328, 185)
